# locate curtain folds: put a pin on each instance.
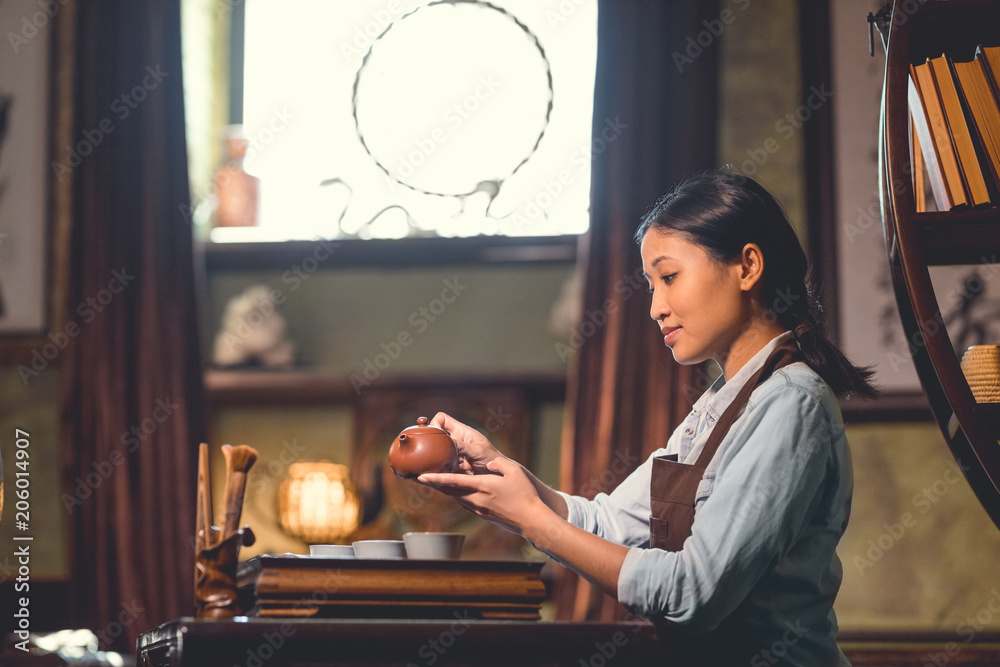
(131, 381)
(654, 123)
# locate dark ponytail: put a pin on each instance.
(722, 212)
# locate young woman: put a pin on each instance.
(726, 537)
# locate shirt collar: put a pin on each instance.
(723, 391)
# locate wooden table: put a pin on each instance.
(257, 642)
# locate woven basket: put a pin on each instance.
(981, 365)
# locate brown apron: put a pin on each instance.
(674, 485)
(672, 492)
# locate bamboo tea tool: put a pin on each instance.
(203, 528)
(241, 458)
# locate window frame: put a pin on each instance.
(495, 249)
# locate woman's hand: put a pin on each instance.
(502, 492)
(477, 456)
(507, 497)
(475, 450)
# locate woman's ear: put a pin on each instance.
(751, 266)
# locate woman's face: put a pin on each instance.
(697, 302)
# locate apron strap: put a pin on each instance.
(781, 356)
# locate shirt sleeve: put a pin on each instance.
(622, 516)
(769, 481)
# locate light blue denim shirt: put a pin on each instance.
(769, 512)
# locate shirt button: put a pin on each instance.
(688, 431)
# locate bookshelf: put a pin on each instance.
(916, 241)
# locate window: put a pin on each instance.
(387, 119)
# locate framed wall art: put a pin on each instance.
(35, 118)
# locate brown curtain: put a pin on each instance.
(131, 384)
(654, 123)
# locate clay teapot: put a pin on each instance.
(422, 448)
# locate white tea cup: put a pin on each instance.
(434, 546)
(379, 549)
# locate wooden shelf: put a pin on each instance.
(916, 241)
(904, 406)
(316, 386)
(962, 237)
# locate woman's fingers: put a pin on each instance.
(474, 449)
(441, 421)
(502, 465)
(450, 480)
(445, 421)
(504, 495)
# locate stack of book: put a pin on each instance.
(955, 108)
(296, 586)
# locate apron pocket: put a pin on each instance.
(658, 532)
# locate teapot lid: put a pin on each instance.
(422, 428)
